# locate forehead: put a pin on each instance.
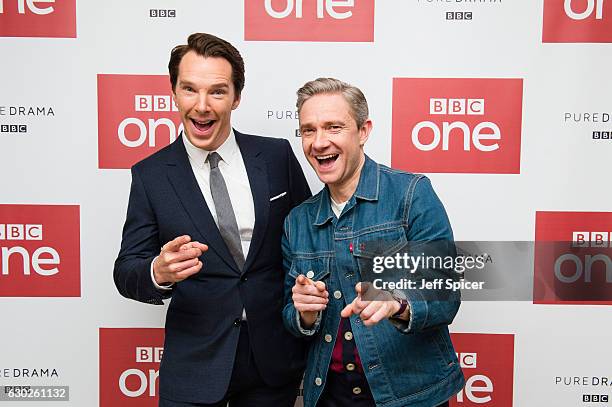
(195, 67)
(325, 108)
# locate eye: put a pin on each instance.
(188, 89)
(218, 92)
(306, 132)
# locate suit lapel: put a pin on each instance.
(257, 171)
(183, 181)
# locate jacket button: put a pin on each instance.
(243, 278)
(350, 367)
(337, 294)
(356, 390)
(348, 335)
(310, 274)
(328, 338)
(237, 322)
(318, 381)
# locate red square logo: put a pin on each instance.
(129, 366)
(487, 361)
(136, 117)
(38, 18)
(309, 20)
(457, 125)
(577, 21)
(40, 252)
(573, 262)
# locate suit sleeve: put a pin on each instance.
(427, 223)
(139, 246)
(299, 189)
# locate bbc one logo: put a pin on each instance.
(137, 116)
(573, 21)
(457, 125)
(309, 20)
(129, 366)
(487, 362)
(573, 263)
(39, 251)
(38, 18)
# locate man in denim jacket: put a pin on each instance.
(392, 349)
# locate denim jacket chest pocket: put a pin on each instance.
(376, 243)
(315, 268)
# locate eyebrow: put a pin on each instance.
(217, 85)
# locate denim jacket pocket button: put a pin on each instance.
(310, 274)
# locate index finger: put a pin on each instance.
(175, 244)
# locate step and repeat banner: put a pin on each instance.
(505, 105)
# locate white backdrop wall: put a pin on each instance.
(54, 170)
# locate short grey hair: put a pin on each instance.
(353, 96)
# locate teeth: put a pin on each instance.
(203, 123)
(325, 157)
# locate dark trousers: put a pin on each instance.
(348, 389)
(247, 388)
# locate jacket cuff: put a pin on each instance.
(418, 314)
(311, 331)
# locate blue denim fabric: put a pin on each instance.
(406, 364)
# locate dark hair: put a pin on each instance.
(207, 45)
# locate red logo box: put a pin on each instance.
(487, 361)
(457, 125)
(40, 254)
(129, 366)
(32, 18)
(577, 21)
(136, 117)
(309, 20)
(572, 263)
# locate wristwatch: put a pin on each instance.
(400, 297)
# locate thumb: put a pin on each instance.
(320, 286)
(358, 288)
(301, 279)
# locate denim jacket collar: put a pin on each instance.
(367, 189)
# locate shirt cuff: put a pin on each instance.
(315, 326)
(167, 287)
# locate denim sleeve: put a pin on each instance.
(291, 317)
(427, 221)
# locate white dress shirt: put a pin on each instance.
(235, 175)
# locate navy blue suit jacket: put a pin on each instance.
(201, 333)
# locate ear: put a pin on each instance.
(174, 98)
(236, 102)
(364, 132)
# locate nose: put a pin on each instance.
(202, 103)
(320, 140)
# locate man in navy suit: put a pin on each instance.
(203, 226)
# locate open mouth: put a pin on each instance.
(326, 161)
(203, 125)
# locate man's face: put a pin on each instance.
(331, 140)
(205, 97)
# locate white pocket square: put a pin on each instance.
(274, 198)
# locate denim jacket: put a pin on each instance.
(406, 364)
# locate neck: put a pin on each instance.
(343, 192)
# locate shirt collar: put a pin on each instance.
(367, 189)
(228, 151)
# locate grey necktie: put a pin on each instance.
(225, 213)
